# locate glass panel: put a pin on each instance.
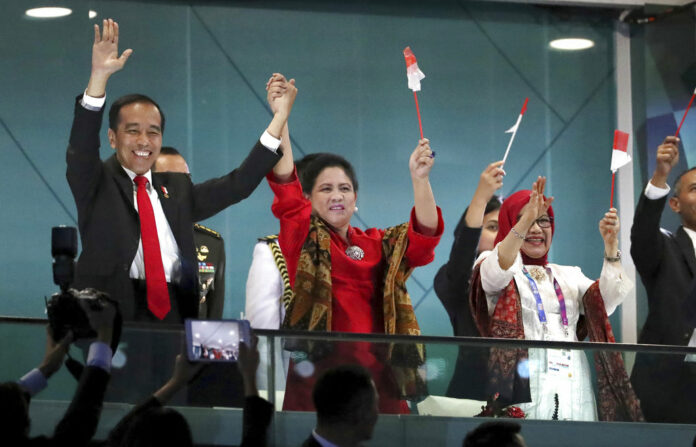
(545, 380)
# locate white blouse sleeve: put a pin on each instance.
(494, 279)
(614, 285)
(264, 289)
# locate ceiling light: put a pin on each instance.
(92, 13)
(571, 44)
(48, 12)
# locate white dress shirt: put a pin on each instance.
(168, 246)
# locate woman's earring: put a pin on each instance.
(356, 209)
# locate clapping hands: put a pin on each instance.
(538, 205)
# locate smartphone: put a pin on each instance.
(215, 340)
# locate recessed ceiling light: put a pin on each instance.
(92, 13)
(48, 12)
(571, 44)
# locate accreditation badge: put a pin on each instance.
(559, 363)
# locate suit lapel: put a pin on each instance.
(686, 246)
(124, 183)
(169, 205)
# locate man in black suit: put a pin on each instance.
(114, 258)
(347, 406)
(666, 384)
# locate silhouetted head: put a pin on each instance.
(495, 434)
(156, 427)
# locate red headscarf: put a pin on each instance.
(512, 206)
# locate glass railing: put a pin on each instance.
(421, 380)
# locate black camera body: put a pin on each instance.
(64, 310)
(65, 313)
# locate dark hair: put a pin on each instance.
(302, 163)
(14, 412)
(315, 165)
(168, 150)
(494, 204)
(115, 109)
(677, 186)
(338, 394)
(158, 426)
(494, 434)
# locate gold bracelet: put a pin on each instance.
(516, 233)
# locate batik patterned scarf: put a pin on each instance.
(616, 398)
(310, 309)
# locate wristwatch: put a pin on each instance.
(616, 258)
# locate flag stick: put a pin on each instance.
(611, 201)
(685, 112)
(507, 151)
(420, 125)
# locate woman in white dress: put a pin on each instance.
(521, 286)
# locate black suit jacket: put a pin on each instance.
(82, 416)
(109, 225)
(452, 288)
(665, 384)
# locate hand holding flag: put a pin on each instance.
(513, 129)
(414, 76)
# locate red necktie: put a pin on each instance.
(157, 294)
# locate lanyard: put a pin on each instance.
(540, 304)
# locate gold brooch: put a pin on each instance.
(537, 273)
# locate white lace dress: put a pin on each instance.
(552, 373)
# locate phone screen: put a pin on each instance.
(215, 340)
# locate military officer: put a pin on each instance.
(210, 247)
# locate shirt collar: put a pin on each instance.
(132, 174)
(323, 442)
(692, 235)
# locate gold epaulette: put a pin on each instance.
(279, 259)
(207, 230)
(269, 238)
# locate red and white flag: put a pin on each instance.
(513, 129)
(413, 73)
(619, 153)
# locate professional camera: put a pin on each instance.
(64, 310)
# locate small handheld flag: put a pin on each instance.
(513, 129)
(685, 112)
(414, 76)
(619, 158)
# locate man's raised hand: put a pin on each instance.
(666, 158)
(105, 58)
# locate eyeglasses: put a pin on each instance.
(543, 221)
